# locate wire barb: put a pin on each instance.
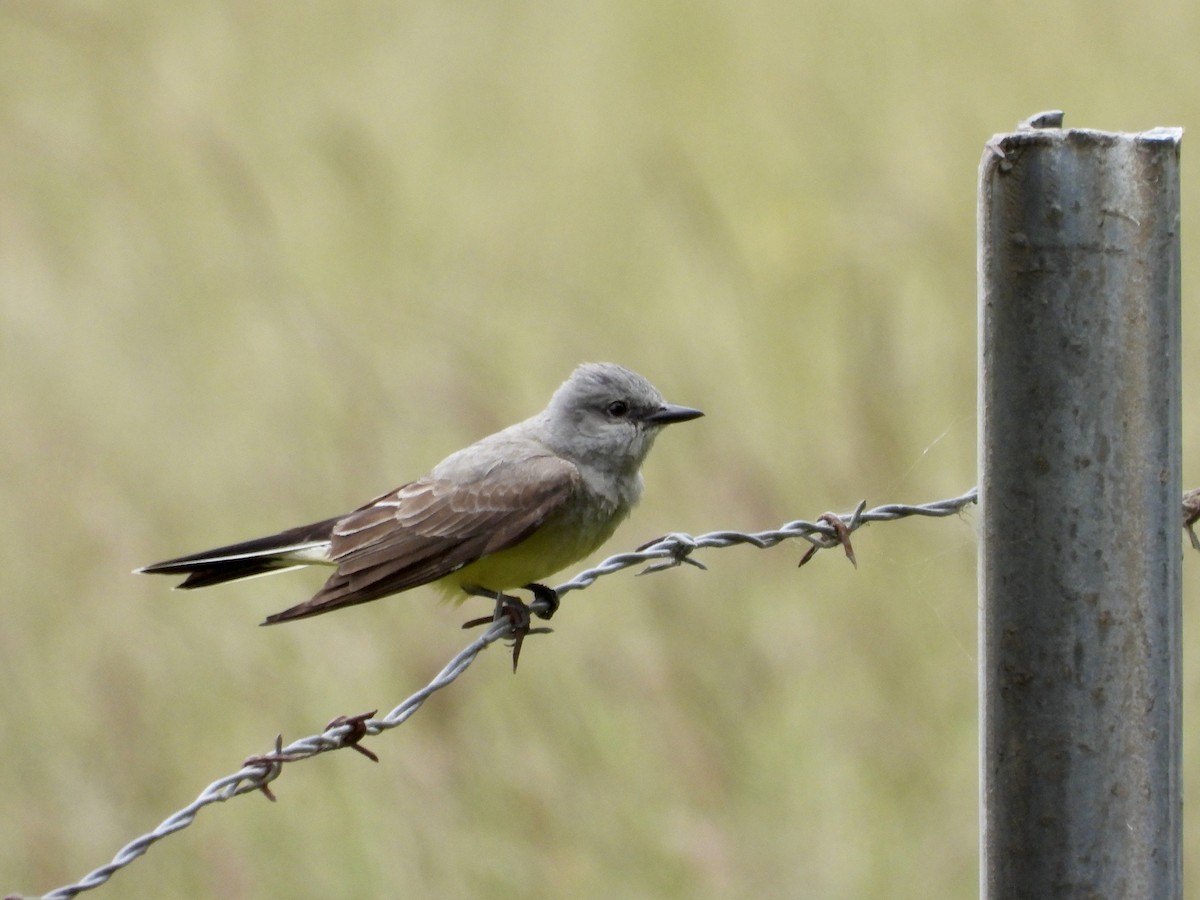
(356, 730)
(667, 552)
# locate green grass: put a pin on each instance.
(260, 261)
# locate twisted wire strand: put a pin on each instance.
(676, 548)
(666, 552)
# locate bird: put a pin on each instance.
(502, 513)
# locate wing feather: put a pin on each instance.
(432, 527)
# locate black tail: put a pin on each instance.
(261, 556)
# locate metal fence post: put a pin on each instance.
(1080, 504)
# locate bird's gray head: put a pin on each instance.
(607, 417)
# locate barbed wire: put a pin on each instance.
(670, 550)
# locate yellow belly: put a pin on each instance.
(554, 546)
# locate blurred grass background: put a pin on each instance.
(260, 261)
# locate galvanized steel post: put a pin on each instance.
(1080, 579)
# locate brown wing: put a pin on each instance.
(430, 528)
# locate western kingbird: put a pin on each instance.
(503, 513)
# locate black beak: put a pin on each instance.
(669, 413)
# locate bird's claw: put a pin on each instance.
(545, 600)
(517, 612)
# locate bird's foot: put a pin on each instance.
(516, 612)
(545, 600)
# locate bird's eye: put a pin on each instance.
(618, 409)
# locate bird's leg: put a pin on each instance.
(507, 607)
(547, 596)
